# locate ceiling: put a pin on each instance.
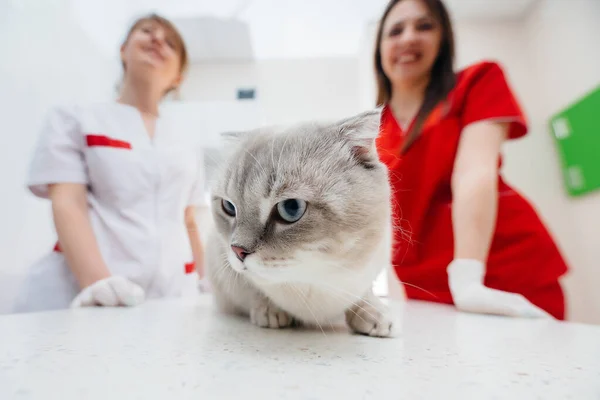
(241, 30)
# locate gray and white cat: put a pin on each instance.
(303, 227)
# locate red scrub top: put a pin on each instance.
(523, 257)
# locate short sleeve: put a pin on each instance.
(58, 155)
(197, 196)
(489, 97)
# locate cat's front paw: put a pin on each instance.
(372, 319)
(268, 315)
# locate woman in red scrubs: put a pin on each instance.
(463, 235)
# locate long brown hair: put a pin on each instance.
(442, 79)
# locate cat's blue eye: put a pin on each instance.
(228, 207)
(291, 210)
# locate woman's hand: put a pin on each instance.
(110, 292)
(204, 285)
(465, 278)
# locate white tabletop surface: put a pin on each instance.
(177, 350)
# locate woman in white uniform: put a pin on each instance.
(123, 188)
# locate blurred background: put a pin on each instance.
(256, 62)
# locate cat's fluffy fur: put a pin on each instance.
(321, 267)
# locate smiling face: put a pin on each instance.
(410, 42)
(155, 50)
(293, 205)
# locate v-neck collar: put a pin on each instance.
(433, 116)
(395, 124)
(142, 124)
(392, 136)
(402, 130)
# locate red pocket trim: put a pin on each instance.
(105, 141)
(190, 267)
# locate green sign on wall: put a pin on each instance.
(577, 135)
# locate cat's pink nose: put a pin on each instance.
(240, 252)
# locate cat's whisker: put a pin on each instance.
(353, 305)
(349, 275)
(235, 280)
(223, 267)
(339, 290)
(211, 157)
(420, 288)
(257, 163)
(229, 279)
(351, 298)
(331, 326)
(273, 152)
(281, 153)
(220, 270)
(358, 277)
(339, 295)
(303, 298)
(358, 315)
(329, 321)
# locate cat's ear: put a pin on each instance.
(231, 142)
(360, 132)
(233, 137)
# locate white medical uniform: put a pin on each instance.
(138, 189)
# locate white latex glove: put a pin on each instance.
(204, 286)
(465, 278)
(110, 292)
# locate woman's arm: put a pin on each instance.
(475, 189)
(195, 241)
(475, 205)
(75, 235)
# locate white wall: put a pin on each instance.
(46, 59)
(558, 40)
(288, 90)
(564, 52)
(367, 84)
(551, 58)
(531, 163)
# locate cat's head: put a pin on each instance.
(295, 203)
